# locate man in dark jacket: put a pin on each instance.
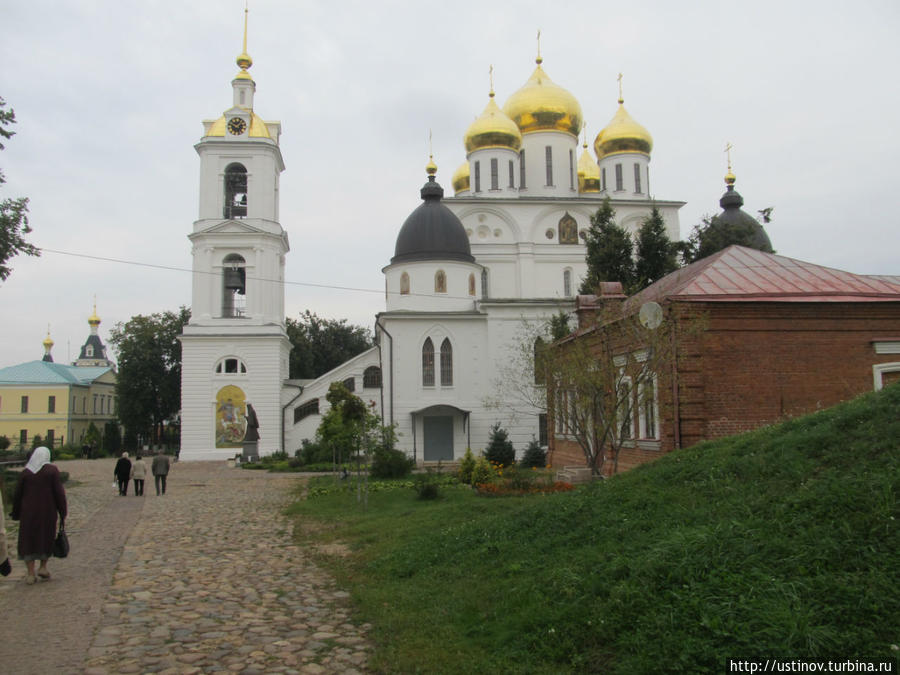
(122, 473)
(160, 469)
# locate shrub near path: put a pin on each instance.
(782, 542)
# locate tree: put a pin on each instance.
(657, 255)
(13, 218)
(609, 251)
(319, 345)
(148, 385)
(500, 449)
(559, 325)
(598, 383)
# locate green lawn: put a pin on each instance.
(782, 542)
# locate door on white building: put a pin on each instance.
(438, 438)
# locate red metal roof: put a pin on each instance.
(744, 274)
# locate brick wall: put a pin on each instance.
(756, 363)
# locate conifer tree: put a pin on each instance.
(609, 251)
(657, 255)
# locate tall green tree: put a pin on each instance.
(318, 345)
(13, 218)
(657, 255)
(148, 386)
(609, 251)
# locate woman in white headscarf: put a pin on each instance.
(39, 497)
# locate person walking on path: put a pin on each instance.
(160, 468)
(122, 473)
(39, 497)
(138, 472)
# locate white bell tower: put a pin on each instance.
(235, 349)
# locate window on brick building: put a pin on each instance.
(625, 409)
(648, 405)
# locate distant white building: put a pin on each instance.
(468, 271)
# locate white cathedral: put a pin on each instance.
(468, 273)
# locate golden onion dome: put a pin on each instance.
(461, 179)
(623, 134)
(588, 172)
(93, 319)
(258, 128)
(493, 129)
(48, 341)
(542, 105)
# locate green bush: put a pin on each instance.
(482, 472)
(388, 463)
(534, 455)
(4, 443)
(500, 449)
(466, 465)
(312, 452)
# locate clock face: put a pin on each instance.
(236, 126)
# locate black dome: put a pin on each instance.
(736, 220)
(432, 231)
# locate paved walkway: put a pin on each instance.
(203, 579)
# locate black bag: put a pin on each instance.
(61, 545)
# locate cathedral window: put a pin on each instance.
(567, 283)
(89, 350)
(522, 169)
(235, 191)
(637, 178)
(234, 287)
(477, 176)
(372, 378)
(404, 284)
(231, 366)
(428, 363)
(603, 179)
(548, 156)
(495, 174)
(620, 181)
(350, 384)
(471, 284)
(512, 174)
(440, 282)
(484, 283)
(446, 363)
(571, 169)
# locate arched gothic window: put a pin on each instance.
(372, 378)
(234, 286)
(428, 363)
(567, 283)
(484, 283)
(446, 363)
(235, 191)
(471, 284)
(440, 282)
(404, 284)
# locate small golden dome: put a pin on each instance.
(93, 319)
(542, 105)
(48, 342)
(588, 172)
(730, 178)
(623, 134)
(258, 128)
(461, 179)
(431, 167)
(492, 129)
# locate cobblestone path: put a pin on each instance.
(203, 579)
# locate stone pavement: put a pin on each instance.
(203, 579)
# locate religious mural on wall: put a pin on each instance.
(568, 230)
(230, 421)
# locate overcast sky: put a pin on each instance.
(110, 94)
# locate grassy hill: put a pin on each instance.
(778, 543)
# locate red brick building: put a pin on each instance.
(780, 338)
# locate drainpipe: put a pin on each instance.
(284, 409)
